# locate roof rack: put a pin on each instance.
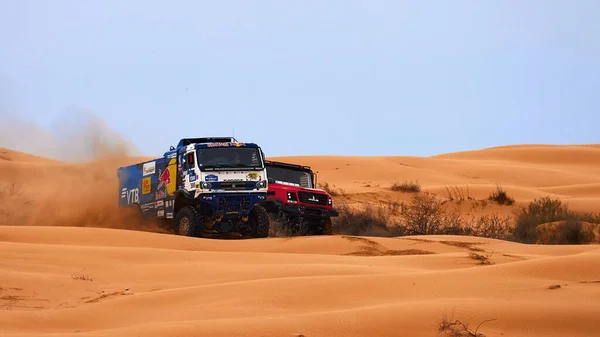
(188, 141)
(288, 165)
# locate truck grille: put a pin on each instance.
(232, 204)
(234, 185)
(312, 212)
(312, 198)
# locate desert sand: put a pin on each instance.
(70, 266)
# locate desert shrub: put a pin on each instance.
(426, 215)
(570, 232)
(423, 215)
(490, 226)
(573, 233)
(545, 210)
(407, 187)
(538, 211)
(501, 197)
(369, 220)
(331, 189)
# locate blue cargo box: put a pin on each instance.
(151, 185)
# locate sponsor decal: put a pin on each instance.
(217, 144)
(253, 176)
(148, 206)
(160, 203)
(224, 144)
(313, 198)
(149, 168)
(211, 178)
(166, 178)
(123, 193)
(161, 213)
(192, 178)
(160, 194)
(133, 196)
(170, 215)
(146, 185)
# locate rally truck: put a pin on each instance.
(295, 203)
(201, 187)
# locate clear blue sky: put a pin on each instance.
(308, 77)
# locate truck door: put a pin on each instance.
(189, 167)
(180, 172)
(186, 169)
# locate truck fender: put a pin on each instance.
(272, 205)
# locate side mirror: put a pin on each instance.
(271, 180)
(171, 148)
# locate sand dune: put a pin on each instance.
(166, 285)
(59, 278)
(526, 172)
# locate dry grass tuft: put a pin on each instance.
(456, 328)
(407, 187)
(82, 277)
(483, 259)
(501, 197)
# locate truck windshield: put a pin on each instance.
(292, 176)
(229, 157)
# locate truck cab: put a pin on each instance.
(293, 199)
(203, 186)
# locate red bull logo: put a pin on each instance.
(164, 178)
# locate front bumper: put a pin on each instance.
(308, 211)
(233, 203)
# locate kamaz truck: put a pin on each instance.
(203, 186)
(294, 201)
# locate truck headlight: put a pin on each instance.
(291, 196)
(261, 184)
(205, 185)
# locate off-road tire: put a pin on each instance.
(261, 222)
(275, 227)
(188, 221)
(327, 227)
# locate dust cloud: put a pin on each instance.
(78, 187)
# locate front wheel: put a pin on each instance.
(327, 227)
(260, 221)
(188, 221)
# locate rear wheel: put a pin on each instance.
(260, 219)
(188, 221)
